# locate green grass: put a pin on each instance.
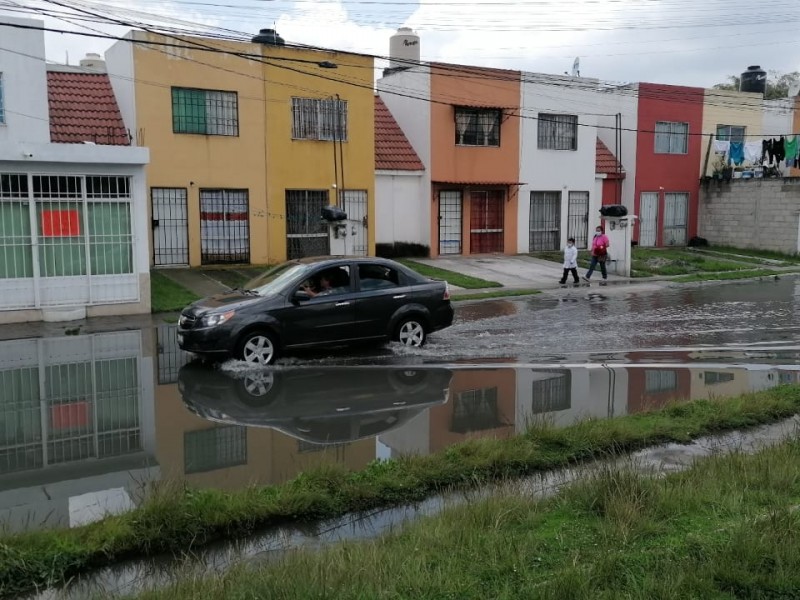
(726, 528)
(757, 254)
(498, 294)
(183, 519)
(166, 295)
(648, 262)
(453, 278)
(726, 276)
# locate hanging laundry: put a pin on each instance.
(721, 146)
(790, 146)
(737, 153)
(771, 150)
(779, 149)
(766, 151)
(754, 152)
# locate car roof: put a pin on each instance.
(342, 259)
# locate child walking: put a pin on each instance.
(570, 262)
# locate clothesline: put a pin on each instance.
(767, 152)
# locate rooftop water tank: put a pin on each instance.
(754, 80)
(269, 37)
(404, 49)
(93, 61)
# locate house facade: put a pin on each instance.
(249, 141)
(73, 229)
(733, 117)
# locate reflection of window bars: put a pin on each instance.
(217, 448)
(715, 377)
(475, 410)
(85, 410)
(551, 394)
(170, 357)
(660, 381)
(304, 447)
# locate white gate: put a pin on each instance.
(355, 205)
(169, 222)
(648, 219)
(450, 222)
(676, 207)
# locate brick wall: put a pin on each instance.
(751, 213)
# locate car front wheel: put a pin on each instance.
(411, 332)
(258, 348)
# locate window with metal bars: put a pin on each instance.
(16, 250)
(557, 132)
(212, 449)
(306, 232)
(2, 102)
(672, 137)
(205, 112)
(475, 410)
(478, 126)
(732, 133)
(660, 381)
(322, 119)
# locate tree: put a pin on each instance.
(778, 84)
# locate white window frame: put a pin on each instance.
(677, 141)
(316, 119)
(729, 134)
(2, 103)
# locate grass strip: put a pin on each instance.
(756, 254)
(726, 528)
(498, 294)
(167, 295)
(453, 278)
(726, 276)
(183, 519)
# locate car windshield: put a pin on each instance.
(274, 279)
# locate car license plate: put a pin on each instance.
(180, 338)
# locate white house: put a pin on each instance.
(401, 198)
(73, 219)
(558, 197)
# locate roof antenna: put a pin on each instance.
(67, 52)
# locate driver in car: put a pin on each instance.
(326, 286)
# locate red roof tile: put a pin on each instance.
(606, 163)
(83, 108)
(393, 151)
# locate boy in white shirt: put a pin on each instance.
(570, 262)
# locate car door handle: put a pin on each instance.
(398, 297)
(342, 304)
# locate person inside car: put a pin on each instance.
(328, 285)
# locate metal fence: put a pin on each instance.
(545, 221)
(450, 207)
(306, 232)
(212, 449)
(578, 218)
(224, 226)
(170, 226)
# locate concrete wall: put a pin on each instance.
(27, 116)
(752, 213)
(561, 171)
(119, 66)
(401, 202)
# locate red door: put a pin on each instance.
(486, 221)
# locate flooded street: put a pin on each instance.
(91, 423)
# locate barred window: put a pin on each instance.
(672, 138)
(206, 112)
(557, 132)
(733, 133)
(2, 102)
(319, 119)
(478, 126)
(212, 449)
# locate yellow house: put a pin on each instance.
(248, 142)
(729, 116)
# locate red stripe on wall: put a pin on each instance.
(61, 223)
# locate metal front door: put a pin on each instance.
(648, 220)
(486, 221)
(578, 218)
(545, 221)
(676, 206)
(355, 205)
(450, 222)
(170, 237)
(224, 227)
(306, 232)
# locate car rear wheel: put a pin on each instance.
(411, 332)
(258, 348)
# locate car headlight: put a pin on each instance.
(215, 319)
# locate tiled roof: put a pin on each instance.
(83, 108)
(393, 151)
(606, 163)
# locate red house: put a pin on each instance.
(668, 149)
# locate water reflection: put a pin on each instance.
(88, 424)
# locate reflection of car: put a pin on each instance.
(324, 406)
(314, 302)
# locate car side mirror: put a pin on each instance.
(301, 296)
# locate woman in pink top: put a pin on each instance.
(599, 254)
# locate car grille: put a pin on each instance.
(187, 321)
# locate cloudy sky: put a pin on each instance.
(689, 42)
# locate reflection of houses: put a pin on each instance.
(720, 383)
(76, 423)
(72, 190)
(652, 388)
(249, 141)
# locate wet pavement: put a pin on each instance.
(94, 418)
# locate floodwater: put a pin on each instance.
(91, 424)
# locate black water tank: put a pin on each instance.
(333, 213)
(268, 36)
(614, 210)
(754, 80)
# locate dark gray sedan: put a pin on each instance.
(317, 302)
